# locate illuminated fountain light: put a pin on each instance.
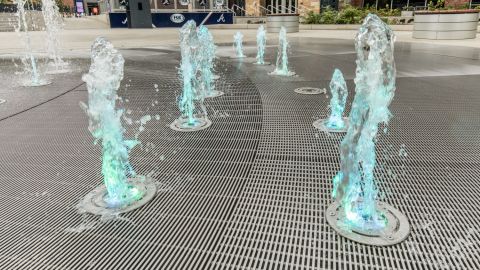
(122, 190)
(206, 62)
(30, 65)
(193, 112)
(53, 26)
(356, 214)
(281, 69)
(335, 122)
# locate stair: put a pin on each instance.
(7, 22)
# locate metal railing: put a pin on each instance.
(234, 6)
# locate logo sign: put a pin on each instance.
(221, 19)
(177, 18)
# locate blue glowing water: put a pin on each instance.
(281, 68)
(189, 45)
(338, 89)
(238, 44)
(196, 58)
(205, 59)
(261, 43)
(103, 81)
(354, 186)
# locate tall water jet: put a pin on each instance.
(336, 122)
(123, 190)
(356, 213)
(238, 45)
(30, 65)
(281, 68)
(53, 26)
(191, 119)
(206, 63)
(261, 44)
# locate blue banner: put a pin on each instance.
(119, 20)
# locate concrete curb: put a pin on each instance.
(406, 27)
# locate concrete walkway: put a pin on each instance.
(80, 40)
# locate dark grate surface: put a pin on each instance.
(250, 191)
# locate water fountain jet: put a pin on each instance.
(336, 122)
(261, 44)
(238, 45)
(53, 26)
(281, 69)
(355, 213)
(30, 65)
(123, 190)
(205, 60)
(192, 92)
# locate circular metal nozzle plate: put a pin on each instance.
(94, 202)
(396, 230)
(181, 124)
(320, 124)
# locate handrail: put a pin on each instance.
(238, 7)
(256, 5)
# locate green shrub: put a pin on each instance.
(328, 16)
(312, 18)
(350, 15)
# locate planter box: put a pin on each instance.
(447, 24)
(407, 14)
(276, 21)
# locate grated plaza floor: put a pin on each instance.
(250, 191)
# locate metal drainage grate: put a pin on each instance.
(252, 190)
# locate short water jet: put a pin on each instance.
(238, 45)
(356, 214)
(53, 26)
(336, 122)
(281, 69)
(123, 190)
(30, 65)
(191, 119)
(205, 61)
(261, 44)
